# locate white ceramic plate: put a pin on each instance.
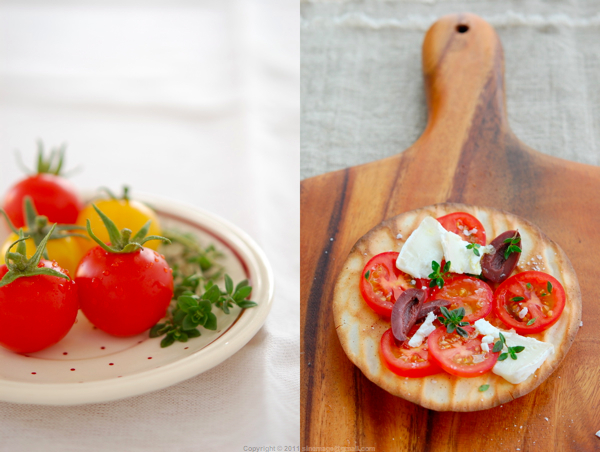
(90, 366)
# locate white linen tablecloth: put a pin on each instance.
(196, 101)
(362, 96)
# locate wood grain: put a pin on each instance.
(467, 153)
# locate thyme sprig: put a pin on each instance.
(512, 351)
(438, 274)
(196, 271)
(453, 320)
(512, 247)
(475, 247)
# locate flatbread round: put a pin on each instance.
(360, 329)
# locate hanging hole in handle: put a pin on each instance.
(462, 28)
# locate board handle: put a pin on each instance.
(463, 66)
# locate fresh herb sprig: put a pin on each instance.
(475, 247)
(193, 310)
(512, 351)
(196, 271)
(512, 247)
(453, 320)
(438, 274)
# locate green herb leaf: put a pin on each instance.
(517, 299)
(549, 286)
(475, 247)
(367, 274)
(498, 346)
(155, 331)
(502, 356)
(168, 340)
(483, 388)
(228, 284)
(529, 286)
(193, 333)
(437, 276)
(189, 322)
(532, 321)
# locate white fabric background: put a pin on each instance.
(362, 95)
(197, 101)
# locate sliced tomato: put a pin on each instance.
(468, 292)
(460, 356)
(542, 295)
(381, 283)
(404, 360)
(465, 225)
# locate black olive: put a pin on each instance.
(495, 267)
(405, 312)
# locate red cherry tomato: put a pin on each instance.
(53, 196)
(124, 294)
(465, 225)
(404, 360)
(460, 356)
(468, 292)
(381, 283)
(36, 311)
(542, 295)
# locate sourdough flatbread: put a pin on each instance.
(360, 329)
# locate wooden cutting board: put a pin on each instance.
(466, 154)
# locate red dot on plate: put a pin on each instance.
(72, 370)
(186, 348)
(149, 357)
(33, 373)
(102, 348)
(65, 353)
(111, 364)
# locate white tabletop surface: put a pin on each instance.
(196, 101)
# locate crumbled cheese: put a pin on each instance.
(399, 236)
(581, 323)
(421, 248)
(523, 312)
(413, 282)
(598, 433)
(485, 341)
(424, 330)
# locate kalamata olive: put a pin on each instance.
(405, 311)
(495, 267)
(432, 306)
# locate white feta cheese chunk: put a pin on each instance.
(528, 361)
(462, 260)
(485, 347)
(487, 329)
(523, 312)
(421, 248)
(424, 330)
(598, 433)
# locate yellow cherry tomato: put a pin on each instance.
(124, 213)
(65, 251)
